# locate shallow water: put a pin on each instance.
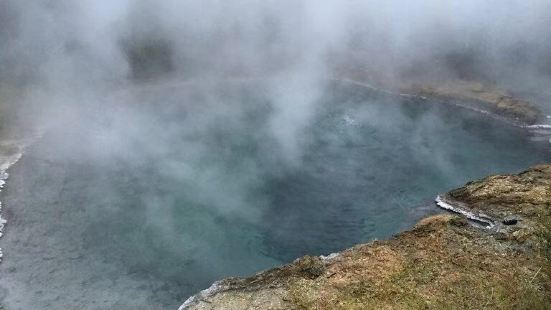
(140, 206)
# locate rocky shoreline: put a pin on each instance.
(445, 261)
(474, 92)
(489, 97)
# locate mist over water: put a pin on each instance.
(187, 141)
(73, 46)
(196, 194)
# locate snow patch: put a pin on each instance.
(538, 126)
(4, 166)
(329, 257)
(470, 215)
(213, 289)
(5, 163)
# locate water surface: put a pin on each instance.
(138, 206)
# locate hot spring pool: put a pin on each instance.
(138, 206)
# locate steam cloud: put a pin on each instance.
(59, 43)
(63, 52)
(95, 69)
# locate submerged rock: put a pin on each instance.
(443, 262)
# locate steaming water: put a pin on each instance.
(144, 204)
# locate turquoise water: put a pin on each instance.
(139, 206)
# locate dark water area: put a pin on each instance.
(138, 207)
